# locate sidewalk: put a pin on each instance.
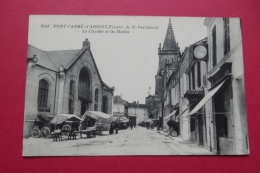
(187, 147)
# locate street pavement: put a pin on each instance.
(138, 141)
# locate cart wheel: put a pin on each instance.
(66, 129)
(35, 132)
(45, 132)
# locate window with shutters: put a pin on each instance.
(226, 36)
(198, 73)
(214, 46)
(43, 93)
(193, 77)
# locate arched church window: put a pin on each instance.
(71, 98)
(84, 85)
(104, 104)
(96, 100)
(43, 93)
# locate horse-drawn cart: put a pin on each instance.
(66, 124)
(47, 125)
(41, 127)
(99, 121)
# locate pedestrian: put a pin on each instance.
(111, 130)
(116, 127)
(171, 123)
(131, 124)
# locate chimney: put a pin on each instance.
(137, 103)
(121, 96)
(149, 91)
(86, 44)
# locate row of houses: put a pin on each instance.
(202, 88)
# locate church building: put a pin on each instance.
(66, 81)
(169, 56)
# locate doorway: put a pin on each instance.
(84, 107)
(223, 118)
(200, 129)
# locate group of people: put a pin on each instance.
(115, 126)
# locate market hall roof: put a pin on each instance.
(52, 59)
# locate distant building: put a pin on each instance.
(137, 112)
(152, 103)
(120, 106)
(66, 81)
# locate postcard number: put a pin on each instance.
(44, 26)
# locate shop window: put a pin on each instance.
(43, 93)
(226, 36)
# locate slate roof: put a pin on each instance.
(54, 59)
(118, 100)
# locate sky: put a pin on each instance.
(127, 60)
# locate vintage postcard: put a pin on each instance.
(134, 85)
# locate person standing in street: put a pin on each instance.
(111, 130)
(131, 124)
(116, 126)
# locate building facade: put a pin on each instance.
(137, 112)
(225, 74)
(203, 92)
(152, 103)
(65, 81)
(120, 106)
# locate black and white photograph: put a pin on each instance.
(134, 86)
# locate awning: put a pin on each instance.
(96, 115)
(184, 110)
(206, 98)
(60, 118)
(168, 116)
